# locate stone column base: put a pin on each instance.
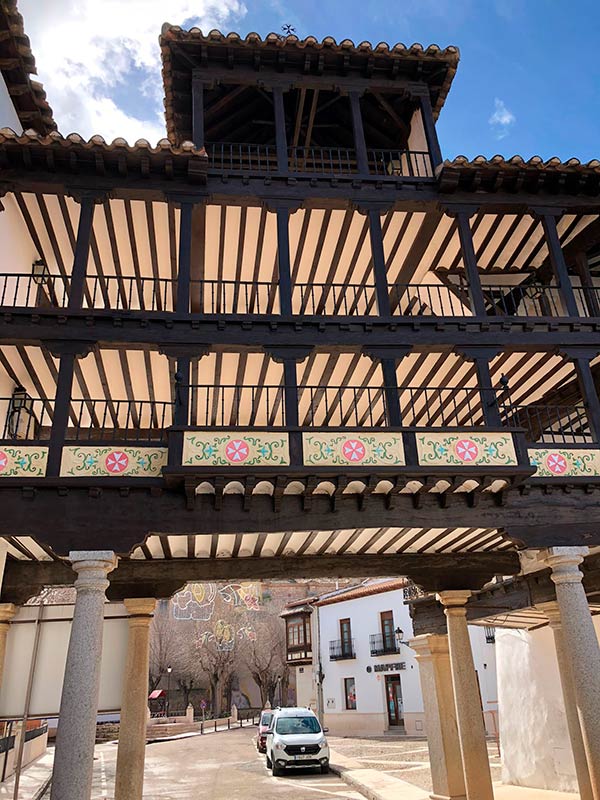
(448, 797)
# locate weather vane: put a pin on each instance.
(288, 30)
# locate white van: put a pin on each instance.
(295, 739)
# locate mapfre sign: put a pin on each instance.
(54, 631)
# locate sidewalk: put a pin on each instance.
(377, 785)
(34, 779)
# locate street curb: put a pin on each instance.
(43, 789)
(365, 790)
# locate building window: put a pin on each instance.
(295, 632)
(350, 693)
(346, 638)
(387, 631)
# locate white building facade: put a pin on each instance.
(358, 669)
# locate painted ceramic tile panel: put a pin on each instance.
(466, 449)
(27, 462)
(250, 448)
(132, 462)
(563, 461)
(353, 449)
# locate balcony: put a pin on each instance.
(381, 645)
(324, 162)
(129, 293)
(341, 650)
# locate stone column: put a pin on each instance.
(129, 781)
(581, 645)
(76, 736)
(552, 612)
(7, 612)
(469, 715)
(440, 716)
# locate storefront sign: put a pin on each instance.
(390, 667)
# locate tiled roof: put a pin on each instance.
(18, 64)
(96, 156)
(363, 591)
(173, 36)
(517, 174)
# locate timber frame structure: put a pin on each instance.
(292, 337)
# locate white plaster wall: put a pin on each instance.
(306, 694)
(533, 728)
(8, 115)
(370, 687)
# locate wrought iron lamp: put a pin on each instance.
(20, 410)
(40, 272)
(399, 637)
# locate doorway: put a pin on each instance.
(393, 693)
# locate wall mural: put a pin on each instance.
(564, 462)
(198, 602)
(133, 462)
(23, 461)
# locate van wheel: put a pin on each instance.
(277, 771)
(269, 763)
(324, 769)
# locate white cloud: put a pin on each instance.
(502, 120)
(100, 61)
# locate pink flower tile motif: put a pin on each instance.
(237, 451)
(3, 460)
(466, 450)
(556, 463)
(116, 462)
(353, 450)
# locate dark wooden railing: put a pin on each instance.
(29, 291)
(545, 424)
(233, 157)
(331, 299)
(525, 300)
(151, 294)
(26, 421)
(236, 405)
(400, 163)
(323, 160)
(130, 293)
(234, 297)
(135, 421)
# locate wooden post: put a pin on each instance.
(197, 112)
(360, 145)
(581, 358)
(67, 352)
(557, 259)
(381, 285)
(433, 144)
(289, 357)
(590, 292)
(470, 261)
(82, 250)
(283, 261)
(280, 132)
(185, 258)
(481, 357)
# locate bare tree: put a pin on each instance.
(265, 656)
(164, 645)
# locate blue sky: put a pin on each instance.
(528, 81)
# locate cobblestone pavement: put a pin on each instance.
(405, 759)
(221, 766)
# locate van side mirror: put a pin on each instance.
(325, 730)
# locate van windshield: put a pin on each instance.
(289, 726)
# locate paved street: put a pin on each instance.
(222, 766)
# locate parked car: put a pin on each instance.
(261, 734)
(295, 738)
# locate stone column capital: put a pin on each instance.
(564, 563)
(454, 601)
(140, 609)
(92, 567)
(7, 611)
(429, 646)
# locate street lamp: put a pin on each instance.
(399, 637)
(169, 671)
(399, 642)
